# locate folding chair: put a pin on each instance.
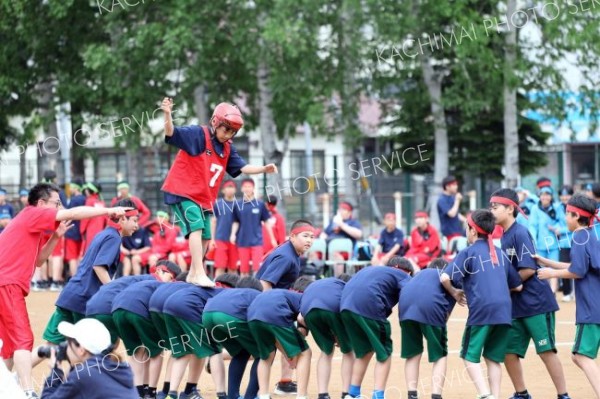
(318, 246)
(338, 245)
(457, 244)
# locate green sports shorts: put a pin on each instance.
(51, 333)
(158, 321)
(413, 333)
(327, 329)
(191, 217)
(540, 328)
(368, 335)
(137, 331)
(187, 337)
(487, 341)
(587, 340)
(265, 335)
(233, 333)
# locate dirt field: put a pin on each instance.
(41, 306)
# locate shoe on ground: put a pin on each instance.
(567, 298)
(31, 395)
(286, 388)
(161, 395)
(519, 396)
(195, 394)
(55, 287)
(565, 396)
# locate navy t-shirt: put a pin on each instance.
(162, 293)
(374, 291)
(487, 286)
(333, 231)
(101, 302)
(138, 240)
(223, 211)
(7, 209)
(585, 262)
(536, 296)
(136, 297)
(73, 233)
(234, 302)
(188, 303)
(425, 300)
(324, 294)
(191, 140)
(250, 214)
(387, 240)
(277, 307)
(282, 267)
(103, 251)
(448, 225)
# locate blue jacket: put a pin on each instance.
(540, 221)
(99, 377)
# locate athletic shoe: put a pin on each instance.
(564, 396)
(567, 298)
(520, 396)
(195, 394)
(31, 395)
(54, 287)
(286, 388)
(161, 395)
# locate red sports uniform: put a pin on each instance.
(278, 231)
(424, 246)
(90, 227)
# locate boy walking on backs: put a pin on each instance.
(193, 182)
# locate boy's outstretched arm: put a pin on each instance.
(254, 170)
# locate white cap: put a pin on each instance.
(92, 335)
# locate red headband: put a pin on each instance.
(163, 268)
(114, 222)
(346, 206)
(229, 183)
(581, 212)
(491, 245)
(507, 201)
(421, 215)
(302, 229)
(544, 183)
(390, 215)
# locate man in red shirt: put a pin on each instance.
(192, 184)
(123, 193)
(425, 244)
(24, 245)
(277, 223)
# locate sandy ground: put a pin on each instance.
(458, 385)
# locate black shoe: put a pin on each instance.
(286, 388)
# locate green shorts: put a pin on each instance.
(412, 340)
(109, 323)
(233, 333)
(187, 337)
(368, 335)
(265, 335)
(51, 333)
(191, 217)
(328, 329)
(587, 340)
(540, 328)
(158, 321)
(490, 341)
(137, 332)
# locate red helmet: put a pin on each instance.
(228, 115)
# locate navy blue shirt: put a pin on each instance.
(191, 140)
(7, 209)
(333, 231)
(138, 240)
(162, 293)
(101, 302)
(324, 294)
(282, 267)
(73, 233)
(448, 225)
(585, 263)
(188, 303)
(374, 291)
(487, 286)
(277, 307)
(223, 211)
(103, 251)
(250, 214)
(234, 302)
(425, 300)
(136, 297)
(387, 240)
(536, 296)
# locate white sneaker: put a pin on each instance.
(567, 298)
(55, 287)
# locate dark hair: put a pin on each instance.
(543, 179)
(300, 223)
(446, 181)
(437, 263)
(229, 279)
(249, 282)
(584, 203)
(485, 219)
(400, 262)
(182, 276)
(595, 189)
(271, 200)
(302, 283)
(79, 181)
(41, 191)
(173, 267)
(49, 176)
(511, 195)
(566, 190)
(345, 277)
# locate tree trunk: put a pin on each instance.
(511, 134)
(23, 168)
(77, 151)
(200, 105)
(433, 81)
(49, 153)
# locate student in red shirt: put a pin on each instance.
(123, 193)
(164, 236)
(90, 227)
(22, 249)
(277, 223)
(425, 242)
(192, 184)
